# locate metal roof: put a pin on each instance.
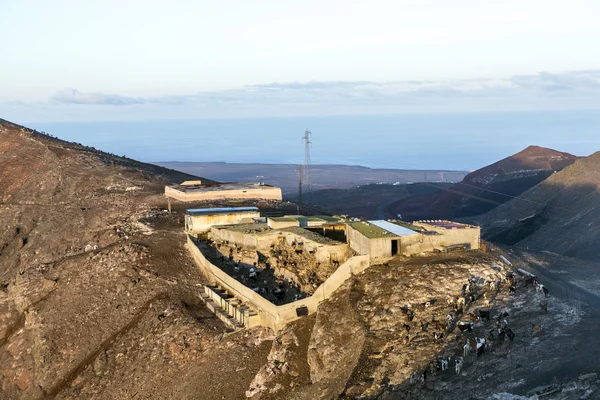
(393, 228)
(223, 210)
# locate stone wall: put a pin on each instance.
(270, 315)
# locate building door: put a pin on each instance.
(394, 247)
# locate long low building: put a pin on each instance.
(198, 191)
(382, 239)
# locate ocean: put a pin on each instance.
(416, 141)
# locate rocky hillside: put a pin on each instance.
(97, 295)
(558, 215)
(486, 188)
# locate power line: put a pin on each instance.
(508, 195)
(464, 194)
(496, 202)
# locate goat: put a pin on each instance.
(536, 329)
(531, 281)
(510, 334)
(544, 307)
(483, 314)
(467, 349)
(444, 364)
(465, 326)
(458, 365)
(480, 346)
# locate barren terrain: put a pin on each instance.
(99, 300)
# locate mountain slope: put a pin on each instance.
(98, 297)
(482, 190)
(558, 215)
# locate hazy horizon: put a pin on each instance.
(447, 142)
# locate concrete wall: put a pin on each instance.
(282, 224)
(415, 244)
(257, 192)
(375, 248)
(324, 253)
(201, 223)
(276, 317)
(247, 240)
(353, 266)
(357, 241)
(382, 248)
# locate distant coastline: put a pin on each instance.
(419, 141)
(332, 176)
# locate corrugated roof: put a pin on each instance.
(223, 210)
(393, 228)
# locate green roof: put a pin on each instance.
(370, 231)
(327, 218)
(283, 219)
(305, 218)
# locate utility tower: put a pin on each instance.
(306, 178)
(300, 183)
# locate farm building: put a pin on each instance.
(198, 191)
(381, 239)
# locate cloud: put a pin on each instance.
(361, 92)
(545, 81)
(73, 96)
(544, 91)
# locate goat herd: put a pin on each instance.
(492, 335)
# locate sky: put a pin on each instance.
(67, 60)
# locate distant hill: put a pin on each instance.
(486, 188)
(329, 176)
(560, 215)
